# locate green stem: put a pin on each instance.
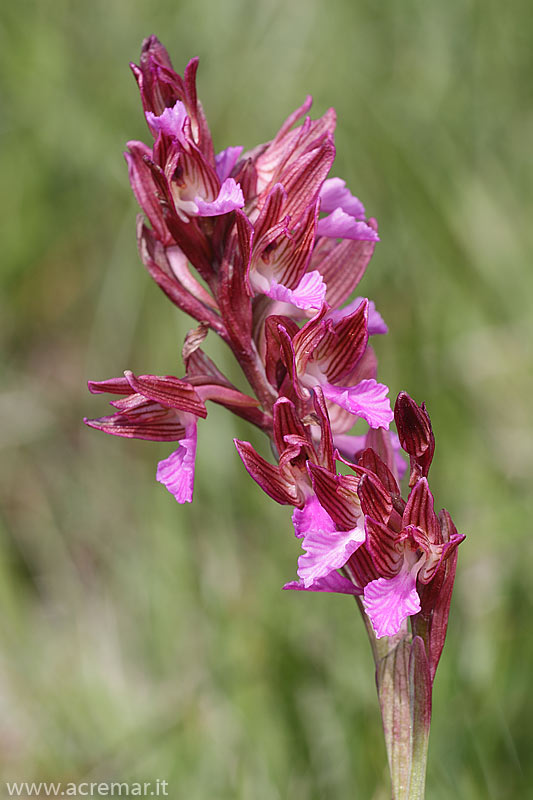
(404, 692)
(420, 691)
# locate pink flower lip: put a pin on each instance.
(177, 471)
(388, 601)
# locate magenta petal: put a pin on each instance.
(348, 444)
(309, 294)
(388, 601)
(375, 324)
(340, 225)
(399, 455)
(226, 160)
(177, 471)
(367, 399)
(170, 122)
(327, 551)
(334, 582)
(229, 198)
(312, 517)
(334, 194)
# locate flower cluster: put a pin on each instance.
(265, 250)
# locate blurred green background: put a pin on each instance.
(141, 639)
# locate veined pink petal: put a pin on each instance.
(266, 475)
(388, 601)
(144, 187)
(340, 225)
(438, 555)
(303, 178)
(177, 471)
(309, 294)
(229, 198)
(170, 122)
(367, 399)
(375, 497)
(327, 552)
(226, 160)
(377, 460)
(167, 390)
(312, 517)
(282, 255)
(335, 194)
(334, 582)
(385, 547)
(111, 386)
(179, 264)
(375, 323)
(343, 345)
(326, 455)
(270, 216)
(143, 419)
(338, 495)
(420, 511)
(342, 264)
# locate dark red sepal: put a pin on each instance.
(415, 434)
(337, 494)
(326, 453)
(232, 296)
(420, 511)
(266, 475)
(287, 424)
(370, 460)
(344, 343)
(168, 391)
(435, 597)
(383, 544)
(375, 499)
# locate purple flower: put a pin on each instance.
(265, 250)
(161, 409)
(281, 254)
(401, 558)
(391, 551)
(160, 87)
(289, 482)
(194, 184)
(325, 354)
